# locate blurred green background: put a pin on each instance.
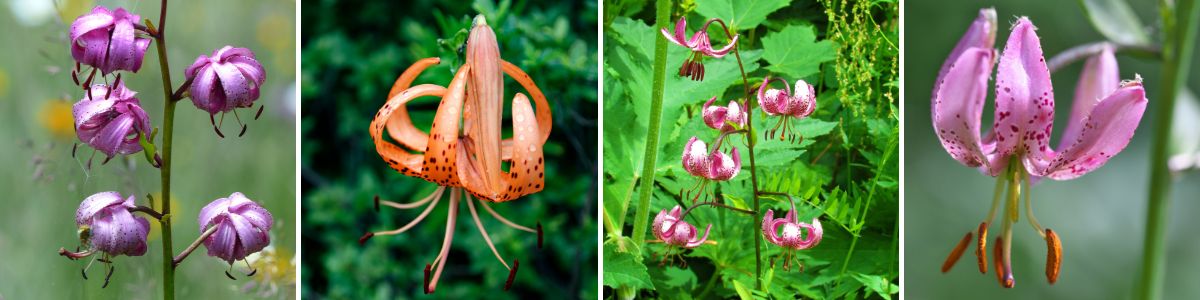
(352, 53)
(1100, 217)
(44, 185)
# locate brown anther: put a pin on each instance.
(243, 130)
(218, 130)
(74, 146)
(512, 274)
(259, 113)
(425, 286)
(109, 276)
(363, 240)
(229, 275)
(1053, 256)
(539, 228)
(981, 252)
(84, 272)
(376, 203)
(956, 253)
(106, 160)
(1003, 270)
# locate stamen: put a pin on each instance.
(243, 130)
(443, 256)
(366, 236)
(487, 239)
(954, 254)
(111, 269)
(981, 252)
(1029, 210)
(436, 194)
(218, 130)
(419, 217)
(425, 282)
(74, 255)
(512, 274)
(228, 275)
(259, 113)
(1053, 256)
(74, 146)
(539, 230)
(502, 219)
(84, 272)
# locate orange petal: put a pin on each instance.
(544, 120)
(484, 109)
(526, 170)
(400, 125)
(440, 158)
(396, 157)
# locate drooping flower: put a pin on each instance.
(699, 44)
(1106, 112)
(724, 118)
(108, 40)
(228, 79)
(240, 227)
(108, 227)
(792, 237)
(782, 102)
(463, 150)
(111, 120)
(675, 232)
(715, 165)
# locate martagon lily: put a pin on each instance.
(675, 232)
(792, 238)
(466, 161)
(700, 45)
(1105, 113)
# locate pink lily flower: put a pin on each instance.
(108, 227)
(782, 102)
(108, 40)
(700, 44)
(715, 165)
(239, 227)
(111, 120)
(721, 117)
(229, 79)
(1105, 114)
(792, 237)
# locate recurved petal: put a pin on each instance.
(1099, 78)
(122, 50)
(981, 34)
(680, 35)
(723, 167)
(695, 157)
(235, 84)
(205, 91)
(221, 244)
(211, 211)
(697, 242)
(93, 204)
(1024, 96)
(958, 106)
(112, 135)
(718, 53)
(1106, 131)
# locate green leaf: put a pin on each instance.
(1184, 145)
(1116, 21)
(739, 14)
(622, 270)
(677, 277)
(742, 291)
(878, 284)
(795, 52)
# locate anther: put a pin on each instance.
(1053, 256)
(956, 253)
(363, 240)
(106, 160)
(252, 272)
(229, 275)
(109, 276)
(259, 113)
(426, 281)
(981, 252)
(243, 131)
(75, 76)
(218, 130)
(84, 272)
(1003, 269)
(74, 146)
(376, 203)
(539, 228)
(512, 274)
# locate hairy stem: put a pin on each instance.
(650, 156)
(160, 39)
(1177, 57)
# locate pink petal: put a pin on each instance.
(695, 157)
(211, 211)
(714, 116)
(1106, 131)
(958, 106)
(121, 48)
(680, 36)
(981, 34)
(222, 243)
(93, 204)
(718, 53)
(1099, 78)
(237, 87)
(1024, 96)
(697, 242)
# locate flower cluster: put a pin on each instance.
(672, 230)
(1105, 113)
(110, 119)
(700, 45)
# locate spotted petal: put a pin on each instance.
(1024, 96)
(1106, 131)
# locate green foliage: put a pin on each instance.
(1116, 21)
(844, 171)
(352, 54)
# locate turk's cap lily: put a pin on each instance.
(1104, 118)
(721, 117)
(110, 119)
(242, 227)
(792, 235)
(230, 78)
(799, 104)
(715, 165)
(112, 228)
(108, 40)
(699, 42)
(671, 230)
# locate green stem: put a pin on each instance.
(753, 174)
(1177, 55)
(168, 133)
(663, 12)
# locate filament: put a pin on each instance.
(419, 217)
(436, 194)
(443, 255)
(482, 231)
(502, 219)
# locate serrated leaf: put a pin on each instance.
(677, 277)
(739, 14)
(878, 284)
(623, 270)
(795, 52)
(742, 291)
(1116, 21)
